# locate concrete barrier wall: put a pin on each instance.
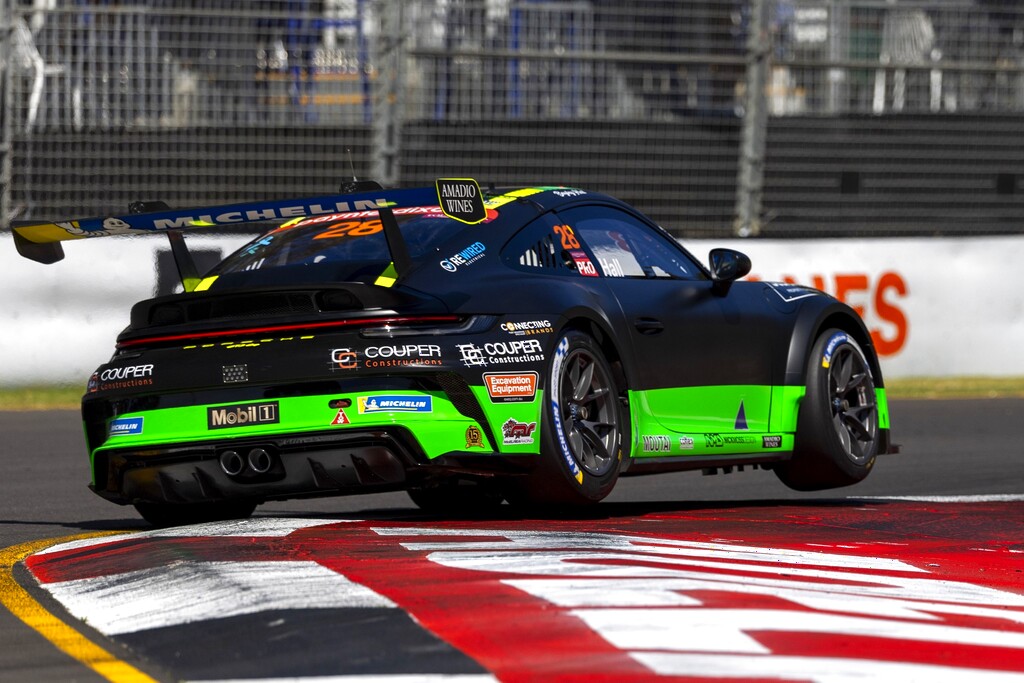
(59, 321)
(935, 306)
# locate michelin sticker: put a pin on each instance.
(126, 425)
(830, 348)
(395, 404)
(563, 443)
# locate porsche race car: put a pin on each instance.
(530, 345)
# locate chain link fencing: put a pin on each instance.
(716, 117)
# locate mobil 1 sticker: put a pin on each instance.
(242, 415)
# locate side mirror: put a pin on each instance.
(727, 266)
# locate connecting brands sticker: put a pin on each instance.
(126, 425)
(396, 404)
(525, 327)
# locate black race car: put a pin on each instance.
(529, 345)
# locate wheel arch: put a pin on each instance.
(600, 332)
(809, 328)
(621, 366)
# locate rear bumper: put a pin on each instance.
(300, 466)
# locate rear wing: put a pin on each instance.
(41, 241)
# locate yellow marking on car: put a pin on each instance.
(388, 277)
(525, 192)
(61, 635)
(205, 283)
(502, 200)
(42, 233)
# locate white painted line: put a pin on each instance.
(709, 554)
(817, 669)
(991, 498)
(187, 592)
(725, 630)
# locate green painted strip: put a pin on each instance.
(711, 408)
(883, 408)
(714, 420)
(785, 406)
(440, 431)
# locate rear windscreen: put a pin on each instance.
(348, 246)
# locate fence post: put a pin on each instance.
(6, 123)
(750, 180)
(389, 103)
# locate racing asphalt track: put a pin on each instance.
(950, 448)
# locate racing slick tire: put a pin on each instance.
(456, 497)
(582, 429)
(837, 435)
(170, 514)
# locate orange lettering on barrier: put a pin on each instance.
(891, 314)
(846, 284)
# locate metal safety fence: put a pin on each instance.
(717, 117)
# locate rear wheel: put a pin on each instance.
(837, 428)
(582, 428)
(170, 514)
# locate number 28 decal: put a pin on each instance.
(351, 229)
(568, 237)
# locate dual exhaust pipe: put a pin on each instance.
(256, 461)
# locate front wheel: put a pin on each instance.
(838, 435)
(582, 428)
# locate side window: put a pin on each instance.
(540, 247)
(623, 246)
